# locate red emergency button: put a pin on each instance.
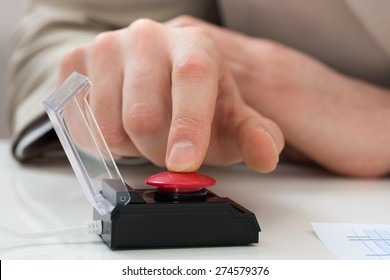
(174, 182)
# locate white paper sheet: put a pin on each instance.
(355, 241)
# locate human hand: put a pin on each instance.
(334, 120)
(165, 93)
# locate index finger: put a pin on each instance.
(195, 76)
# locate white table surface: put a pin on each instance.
(37, 198)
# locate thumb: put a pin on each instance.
(260, 141)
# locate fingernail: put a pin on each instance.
(182, 156)
(273, 145)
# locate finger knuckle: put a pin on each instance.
(141, 121)
(143, 29)
(193, 124)
(104, 43)
(141, 37)
(184, 20)
(197, 32)
(71, 59)
(194, 65)
(114, 137)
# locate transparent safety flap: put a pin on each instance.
(84, 144)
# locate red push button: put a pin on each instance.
(174, 182)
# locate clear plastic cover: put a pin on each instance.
(84, 144)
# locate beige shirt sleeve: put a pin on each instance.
(44, 35)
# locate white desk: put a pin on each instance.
(36, 198)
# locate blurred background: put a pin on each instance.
(10, 12)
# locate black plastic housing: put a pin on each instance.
(147, 223)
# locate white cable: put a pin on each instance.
(90, 227)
